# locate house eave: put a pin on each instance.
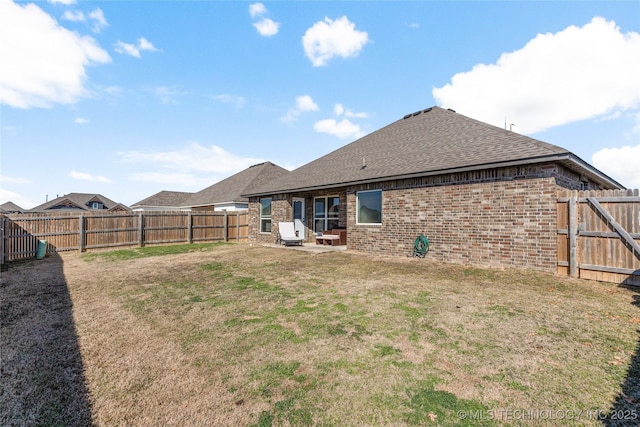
(570, 160)
(233, 202)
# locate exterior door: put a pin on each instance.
(299, 220)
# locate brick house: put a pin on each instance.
(483, 195)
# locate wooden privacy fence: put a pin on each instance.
(81, 231)
(599, 235)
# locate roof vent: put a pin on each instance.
(407, 116)
(427, 110)
(453, 111)
(416, 113)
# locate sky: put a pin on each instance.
(129, 98)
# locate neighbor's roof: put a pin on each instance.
(165, 199)
(75, 201)
(428, 142)
(10, 207)
(231, 189)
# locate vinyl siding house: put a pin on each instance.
(481, 194)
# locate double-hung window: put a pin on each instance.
(369, 207)
(265, 215)
(326, 213)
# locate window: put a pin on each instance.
(326, 213)
(369, 207)
(265, 215)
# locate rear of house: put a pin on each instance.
(482, 195)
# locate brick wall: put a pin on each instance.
(496, 224)
(501, 217)
(280, 211)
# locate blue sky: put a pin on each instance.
(128, 98)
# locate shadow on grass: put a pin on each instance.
(626, 408)
(41, 367)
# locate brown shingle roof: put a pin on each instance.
(10, 207)
(78, 201)
(165, 199)
(232, 188)
(427, 142)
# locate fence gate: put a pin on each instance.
(599, 235)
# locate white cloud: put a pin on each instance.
(81, 120)
(339, 110)
(306, 103)
(100, 21)
(97, 16)
(43, 63)
(257, 10)
(4, 179)
(65, 2)
(168, 95)
(576, 74)
(236, 100)
(328, 39)
(10, 196)
(173, 179)
(303, 103)
(135, 49)
(621, 164)
(74, 16)
(193, 157)
(266, 27)
(343, 129)
(82, 176)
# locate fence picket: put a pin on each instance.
(81, 231)
(606, 245)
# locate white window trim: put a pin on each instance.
(372, 224)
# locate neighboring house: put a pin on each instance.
(81, 202)
(481, 194)
(10, 208)
(163, 201)
(227, 195)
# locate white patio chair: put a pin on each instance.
(287, 234)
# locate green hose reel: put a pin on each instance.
(421, 246)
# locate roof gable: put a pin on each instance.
(10, 207)
(430, 141)
(232, 188)
(75, 201)
(165, 199)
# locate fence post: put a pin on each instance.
(573, 236)
(189, 228)
(140, 229)
(81, 233)
(3, 226)
(237, 226)
(226, 226)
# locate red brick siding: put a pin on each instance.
(496, 224)
(502, 217)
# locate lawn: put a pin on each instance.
(240, 335)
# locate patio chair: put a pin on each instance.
(287, 234)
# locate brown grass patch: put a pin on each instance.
(241, 335)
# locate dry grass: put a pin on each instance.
(241, 335)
